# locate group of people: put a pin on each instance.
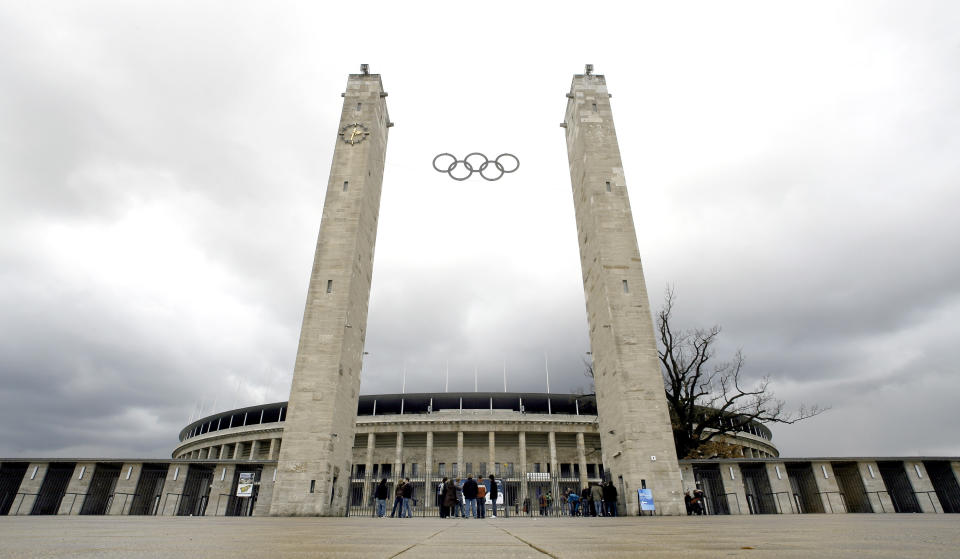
(696, 504)
(597, 499)
(402, 495)
(466, 498)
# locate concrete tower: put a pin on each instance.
(634, 423)
(316, 456)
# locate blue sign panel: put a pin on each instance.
(646, 499)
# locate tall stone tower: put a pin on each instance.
(316, 456)
(634, 423)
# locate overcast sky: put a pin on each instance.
(794, 171)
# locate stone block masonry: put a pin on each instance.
(634, 423)
(315, 458)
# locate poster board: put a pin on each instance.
(646, 500)
(245, 485)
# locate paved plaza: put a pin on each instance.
(729, 536)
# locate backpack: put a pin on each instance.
(481, 491)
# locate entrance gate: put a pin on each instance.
(11, 475)
(851, 487)
(803, 486)
(146, 499)
(242, 506)
(709, 481)
(196, 491)
(898, 486)
(944, 483)
(53, 489)
(100, 494)
(757, 486)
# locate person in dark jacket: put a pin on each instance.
(470, 496)
(449, 495)
(380, 494)
(493, 496)
(397, 499)
(407, 496)
(610, 498)
(442, 498)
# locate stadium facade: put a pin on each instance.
(320, 452)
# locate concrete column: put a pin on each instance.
(492, 459)
(236, 450)
(552, 441)
(172, 487)
(733, 483)
(210, 452)
(398, 459)
(125, 488)
(876, 490)
(459, 471)
(77, 488)
(780, 486)
(371, 444)
(223, 452)
(29, 487)
(689, 479)
(265, 495)
(922, 486)
(430, 492)
(828, 488)
(273, 449)
(523, 467)
(254, 449)
(220, 487)
(582, 459)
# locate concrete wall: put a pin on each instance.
(77, 488)
(873, 484)
(29, 488)
(221, 483)
(125, 489)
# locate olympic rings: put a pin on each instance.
(475, 166)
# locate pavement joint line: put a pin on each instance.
(415, 544)
(543, 551)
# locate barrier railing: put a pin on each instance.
(829, 501)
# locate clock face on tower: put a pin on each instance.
(354, 133)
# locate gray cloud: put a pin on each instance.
(792, 172)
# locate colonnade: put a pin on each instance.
(428, 473)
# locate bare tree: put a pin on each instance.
(708, 399)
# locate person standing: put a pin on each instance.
(481, 498)
(586, 501)
(470, 496)
(610, 498)
(493, 496)
(701, 502)
(688, 500)
(380, 494)
(458, 506)
(596, 494)
(407, 496)
(449, 496)
(574, 501)
(397, 499)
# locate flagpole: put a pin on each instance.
(546, 367)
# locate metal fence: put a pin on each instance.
(532, 494)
